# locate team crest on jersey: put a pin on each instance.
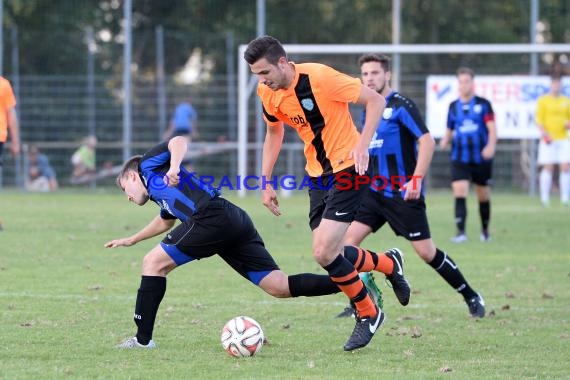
(477, 108)
(387, 113)
(308, 104)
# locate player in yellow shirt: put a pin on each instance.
(553, 120)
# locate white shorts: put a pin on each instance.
(556, 152)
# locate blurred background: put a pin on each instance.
(67, 61)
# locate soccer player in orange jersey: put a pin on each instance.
(313, 99)
(8, 120)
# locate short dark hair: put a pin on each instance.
(264, 47)
(382, 59)
(465, 70)
(132, 164)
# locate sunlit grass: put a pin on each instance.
(65, 301)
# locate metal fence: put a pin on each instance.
(56, 112)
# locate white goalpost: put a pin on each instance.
(247, 83)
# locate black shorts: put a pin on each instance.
(334, 197)
(224, 229)
(407, 218)
(480, 174)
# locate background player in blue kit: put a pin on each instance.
(471, 124)
(401, 147)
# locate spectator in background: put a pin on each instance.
(83, 159)
(553, 121)
(8, 120)
(471, 123)
(183, 122)
(41, 176)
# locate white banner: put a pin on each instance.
(513, 99)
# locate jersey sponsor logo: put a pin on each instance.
(165, 206)
(297, 120)
(375, 142)
(387, 114)
(308, 104)
(468, 127)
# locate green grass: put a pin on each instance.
(65, 301)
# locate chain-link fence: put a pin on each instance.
(57, 111)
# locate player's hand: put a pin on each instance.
(15, 149)
(488, 152)
(443, 144)
(172, 176)
(269, 200)
(546, 138)
(413, 189)
(123, 242)
(360, 156)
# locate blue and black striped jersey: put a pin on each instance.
(468, 121)
(393, 148)
(182, 201)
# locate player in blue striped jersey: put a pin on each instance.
(209, 225)
(471, 128)
(402, 147)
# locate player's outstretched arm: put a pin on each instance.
(271, 149)
(375, 104)
(157, 226)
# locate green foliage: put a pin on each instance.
(60, 25)
(66, 301)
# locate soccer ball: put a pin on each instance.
(242, 336)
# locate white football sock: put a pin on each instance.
(545, 184)
(564, 183)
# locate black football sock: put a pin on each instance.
(311, 285)
(149, 296)
(460, 214)
(485, 213)
(447, 269)
(342, 272)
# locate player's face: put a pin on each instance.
(134, 188)
(374, 77)
(466, 85)
(273, 76)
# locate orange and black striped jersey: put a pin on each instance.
(316, 106)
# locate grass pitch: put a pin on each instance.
(65, 301)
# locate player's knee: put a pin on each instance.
(278, 292)
(276, 289)
(154, 265)
(276, 285)
(426, 256)
(320, 255)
